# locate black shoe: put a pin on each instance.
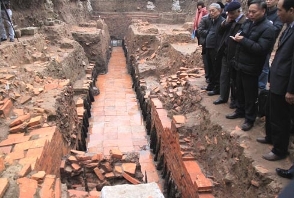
(272, 157)
(3, 39)
(219, 101)
(263, 140)
(284, 173)
(233, 105)
(212, 93)
(235, 115)
(207, 88)
(247, 126)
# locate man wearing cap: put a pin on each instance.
(229, 27)
(254, 41)
(212, 39)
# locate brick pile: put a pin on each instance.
(92, 171)
(174, 89)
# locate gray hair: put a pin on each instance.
(216, 5)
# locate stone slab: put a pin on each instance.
(130, 191)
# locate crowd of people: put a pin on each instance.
(236, 51)
(6, 20)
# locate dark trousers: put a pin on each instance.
(214, 67)
(247, 93)
(280, 123)
(268, 132)
(227, 80)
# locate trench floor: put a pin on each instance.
(116, 121)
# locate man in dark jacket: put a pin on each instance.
(211, 43)
(202, 31)
(255, 40)
(229, 27)
(271, 15)
(282, 85)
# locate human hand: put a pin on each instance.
(237, 37)
(289, 98)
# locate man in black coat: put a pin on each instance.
(211, 44)
(255, 40)
(282, 85)
(229, 27)
(271, 15)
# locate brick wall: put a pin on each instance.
(52, 154)
(170, 148)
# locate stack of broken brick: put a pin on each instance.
(175, 90)
(92, 171)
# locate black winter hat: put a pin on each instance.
(221, 4)
(234, 5)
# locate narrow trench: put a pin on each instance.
(115, 120)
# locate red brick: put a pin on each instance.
(97, 157)
(91, 165)
(179, 119)
(25, 170)
(57, 188)
(25, 99)
(5, 149)
(118, 169)
(75, 166)
(39, 142)
(35, 121)
(130, 178)
(2, 165)
(4, 184)
(35, 152)
(14, 156)
(205, 195)
(6, 108)
(107, 167)
(94, 194)
(77, 152)
(28, 160)
(99, 174)
(109, 175)
(62, 165)
(116, 153)
(44, 131)
(27, 187)
(157, 103)
(198, 178)
(77, 193)
(20, 120)
(39, 176)
(18, 129)
(80, 103)
(80, 111)
(129, 168)
(51, 86)
(83, 157)
(47, 187)
(23, 146)
(18, 112)
(72, 159)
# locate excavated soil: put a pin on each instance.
(230, 157)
